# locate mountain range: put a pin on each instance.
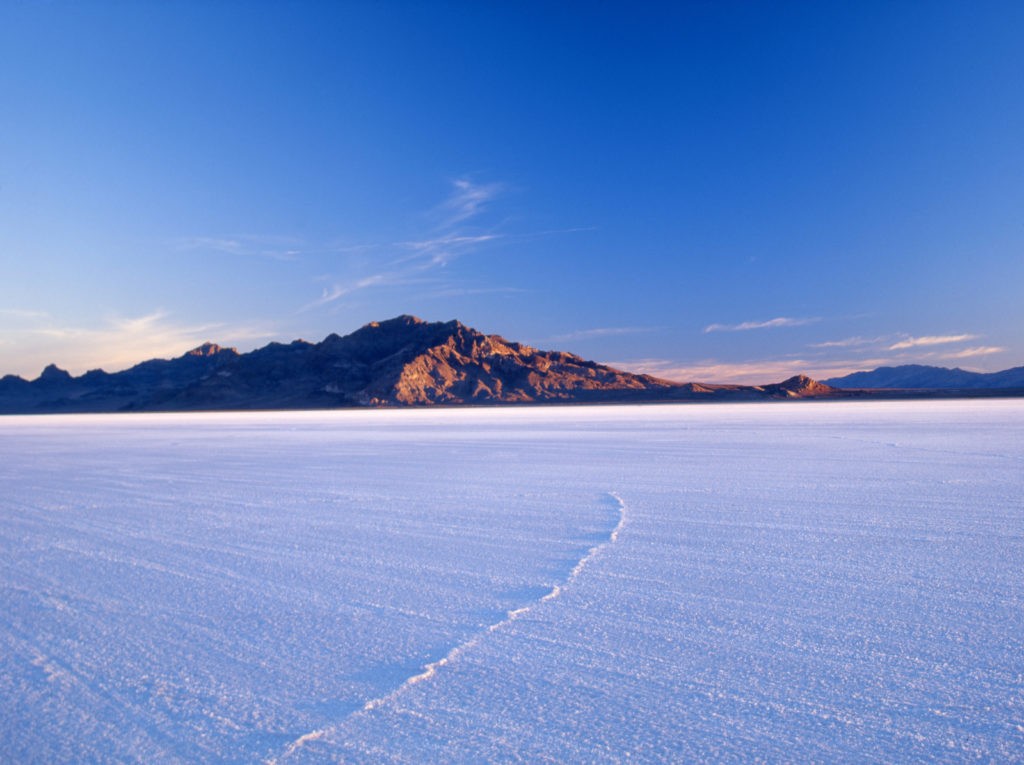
(404, 361)
(916, 376)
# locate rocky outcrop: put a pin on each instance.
(469, 366)
(208, 350)
(800, 386)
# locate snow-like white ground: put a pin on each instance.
(808, 582)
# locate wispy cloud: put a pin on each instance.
(902, 343)
(271, 247)
(461, 225)
(914, 342)
(338, 290)
(967, 353)
(410, 260)
(781, 321)
(452, 292)
(821, 360)
(852, 342)
(873, 353)
(587, 334)
(442, 250)
(467, 200)
(23, 314)
(117, 343)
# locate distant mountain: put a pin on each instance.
(55, 390)
(916, 376)
(400, 362)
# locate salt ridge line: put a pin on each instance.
(431, 669)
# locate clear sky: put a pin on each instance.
(702, 190)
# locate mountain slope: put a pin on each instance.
(799, 386)
(406, 361)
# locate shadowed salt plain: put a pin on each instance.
(777, 582)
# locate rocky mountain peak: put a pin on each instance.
(797, 382)
(53, 373)
(802, 385)
(210, 349)
(405, 320)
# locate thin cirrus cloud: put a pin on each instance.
(968, 353)
(587, 334)
(467, 200)
(442, 250)
(451, 292)
(899, 342)
(337, 291)
(851, 342)
(915, 342)
(253, 246)
(22, 314)
(411, 260)
(457, 233)
(781, 321)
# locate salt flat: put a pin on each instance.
(777, 582)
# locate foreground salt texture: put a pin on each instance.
(779, 582)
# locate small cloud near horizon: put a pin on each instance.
(903, 342)
(967, 353)
(24, 314)
(852, 342)
(914, 342)
(781, 321)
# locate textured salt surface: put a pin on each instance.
(812, 582)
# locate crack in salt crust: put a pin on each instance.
(431, 669)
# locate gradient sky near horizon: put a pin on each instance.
(701, 190)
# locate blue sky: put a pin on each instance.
(706, 190)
